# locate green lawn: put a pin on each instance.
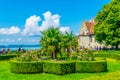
(5, 74)
(108, 51)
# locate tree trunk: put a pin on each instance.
(69, 52)
(52, 55)
(116, 47)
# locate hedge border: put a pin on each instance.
(59, 68)
(26, 67)
(91, 66)
(8, 56)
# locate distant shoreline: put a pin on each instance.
(20, 45)
(25, 46)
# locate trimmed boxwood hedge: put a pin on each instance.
(108, 55)
(7, 56)
(26, 67)
(91, 66)
(59, 68)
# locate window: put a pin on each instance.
(91, 39)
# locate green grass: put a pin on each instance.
(108, 51)
(5, 73)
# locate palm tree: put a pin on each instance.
(71, 41)
(50, 41)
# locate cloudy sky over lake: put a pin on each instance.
(22, 20)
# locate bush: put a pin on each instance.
(26, 67)
(29, 56)
(59, 67)
(7, 56)
(108, 55)
(86, 55)
(91, 66)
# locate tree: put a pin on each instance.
(70, 42)
(50, 41)
(107, 29)
(53, 42)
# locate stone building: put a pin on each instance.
(86, 35)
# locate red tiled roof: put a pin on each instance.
(90, 27)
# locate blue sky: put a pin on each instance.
(28, 17)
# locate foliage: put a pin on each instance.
(29, 56)
(54, 42)
(16, 52)
(5, 74)
(74, 55)
(86, 55)
(91, 66)
(70, 41)
(7, 56)
(107, 29)
(59, 67)
(50, 41)
(26, 67)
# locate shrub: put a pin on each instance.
(86, 55)
(29, 56)
(16, 52)
(26, 67)
(59, 67)
(7, 56)
(91, 66)
(74, 55)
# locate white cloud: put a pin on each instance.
(11, 30)
(31, 26)
(50, 21)
(76, 34)
(65, 29)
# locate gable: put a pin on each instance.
(87, 28)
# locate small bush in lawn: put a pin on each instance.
(86, 55)
(74, 55)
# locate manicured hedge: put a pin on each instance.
(91, 66)
(7, 56)
(59, 68)
(108, 55)
(26, 67)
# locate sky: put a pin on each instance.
(22, 20)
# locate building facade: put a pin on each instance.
(86, 35)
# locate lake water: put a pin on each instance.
(24, 46)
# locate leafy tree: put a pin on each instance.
(53, 42)
(70, 42)
(50, 41)
(107, 29)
